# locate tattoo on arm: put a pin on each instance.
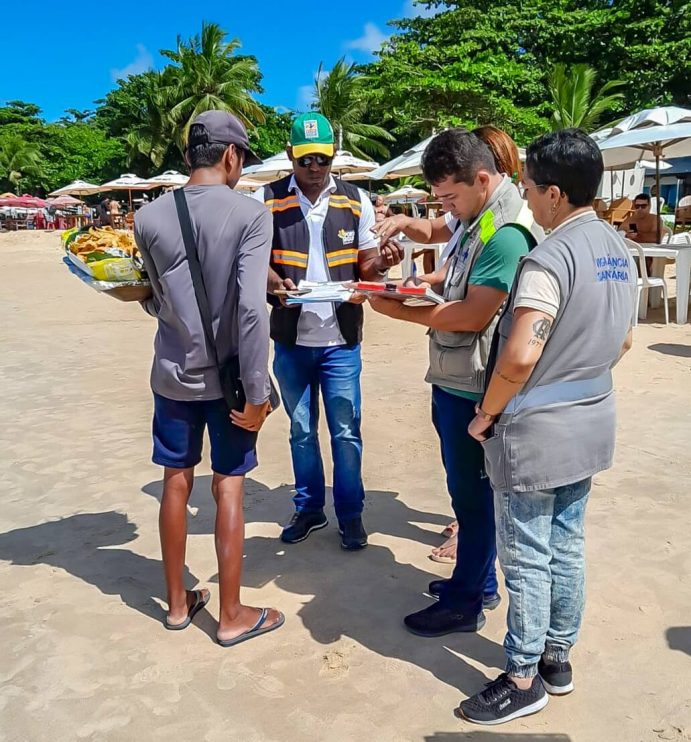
(506, 378)
(541, 330)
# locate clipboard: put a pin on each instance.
(410, 295)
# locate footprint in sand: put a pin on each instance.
(231, 674)
(334, 665)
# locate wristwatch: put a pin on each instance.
(483, 415)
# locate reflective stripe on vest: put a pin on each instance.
(562, 391)
(282, 204)
(290, 257)
(343, 202)
(341, 257)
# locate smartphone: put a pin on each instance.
(633, 228)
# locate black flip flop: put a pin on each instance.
(199, 602)
(256, 630)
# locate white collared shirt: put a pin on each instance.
(318, 326)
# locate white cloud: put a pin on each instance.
(412, 10)
(370, 41)
(141, 63)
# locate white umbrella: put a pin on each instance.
(280, 165)
(169, 179)
(405, 195)
(127, 182)
(77, 188)
(406, 164)
(272, 168)
(649, 134)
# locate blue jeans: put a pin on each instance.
(540, 537)
(472, 502)
(302, 372)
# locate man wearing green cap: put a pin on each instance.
(322, 232)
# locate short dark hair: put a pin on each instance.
(200, 151)
(569, 159)
(456, 153)
(643, 197)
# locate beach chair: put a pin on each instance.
(619, 211)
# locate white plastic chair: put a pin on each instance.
(681, 238)
(645, 283)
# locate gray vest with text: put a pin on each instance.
(560, 429)
(459, 359)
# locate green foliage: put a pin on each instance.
(575, 103)
(79, 151)
(206, 74)
(477, 62)
(18, 159)
(19, 112)
(339, 95)
(272, 136)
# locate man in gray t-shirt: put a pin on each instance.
(233, 239)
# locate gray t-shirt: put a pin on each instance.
(233, 235)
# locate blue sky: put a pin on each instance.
(62, 56)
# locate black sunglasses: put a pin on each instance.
(640, 206)
(307, 160)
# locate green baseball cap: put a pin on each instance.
(312, 135)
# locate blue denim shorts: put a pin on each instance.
(178, 432)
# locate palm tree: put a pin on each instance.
(337, 95)
(575, 102)
(18, 158)
(207, 75)
(153, 133)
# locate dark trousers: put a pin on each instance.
(472, 501)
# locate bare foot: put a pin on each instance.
(244, 621)
(447, 550)
(450, 530)
(178, 616)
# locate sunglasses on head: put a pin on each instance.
(307, 160)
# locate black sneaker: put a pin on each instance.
(435, 620)
(301, 525)
(502, 701)
(489, 602)
(557, 677)
(353, 534)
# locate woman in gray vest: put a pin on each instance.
(547, 419)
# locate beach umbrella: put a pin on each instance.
(77, 188)
(406, 195)
(410, 162)
(280, 165)
(650, 134)
(56, 203)
(24, 202)
(127, 182)
(169, 179)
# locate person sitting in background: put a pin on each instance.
(642, 226)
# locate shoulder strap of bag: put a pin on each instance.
(195, 267)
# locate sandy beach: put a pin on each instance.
(84, 655)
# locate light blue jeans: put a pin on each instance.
(540, 543)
